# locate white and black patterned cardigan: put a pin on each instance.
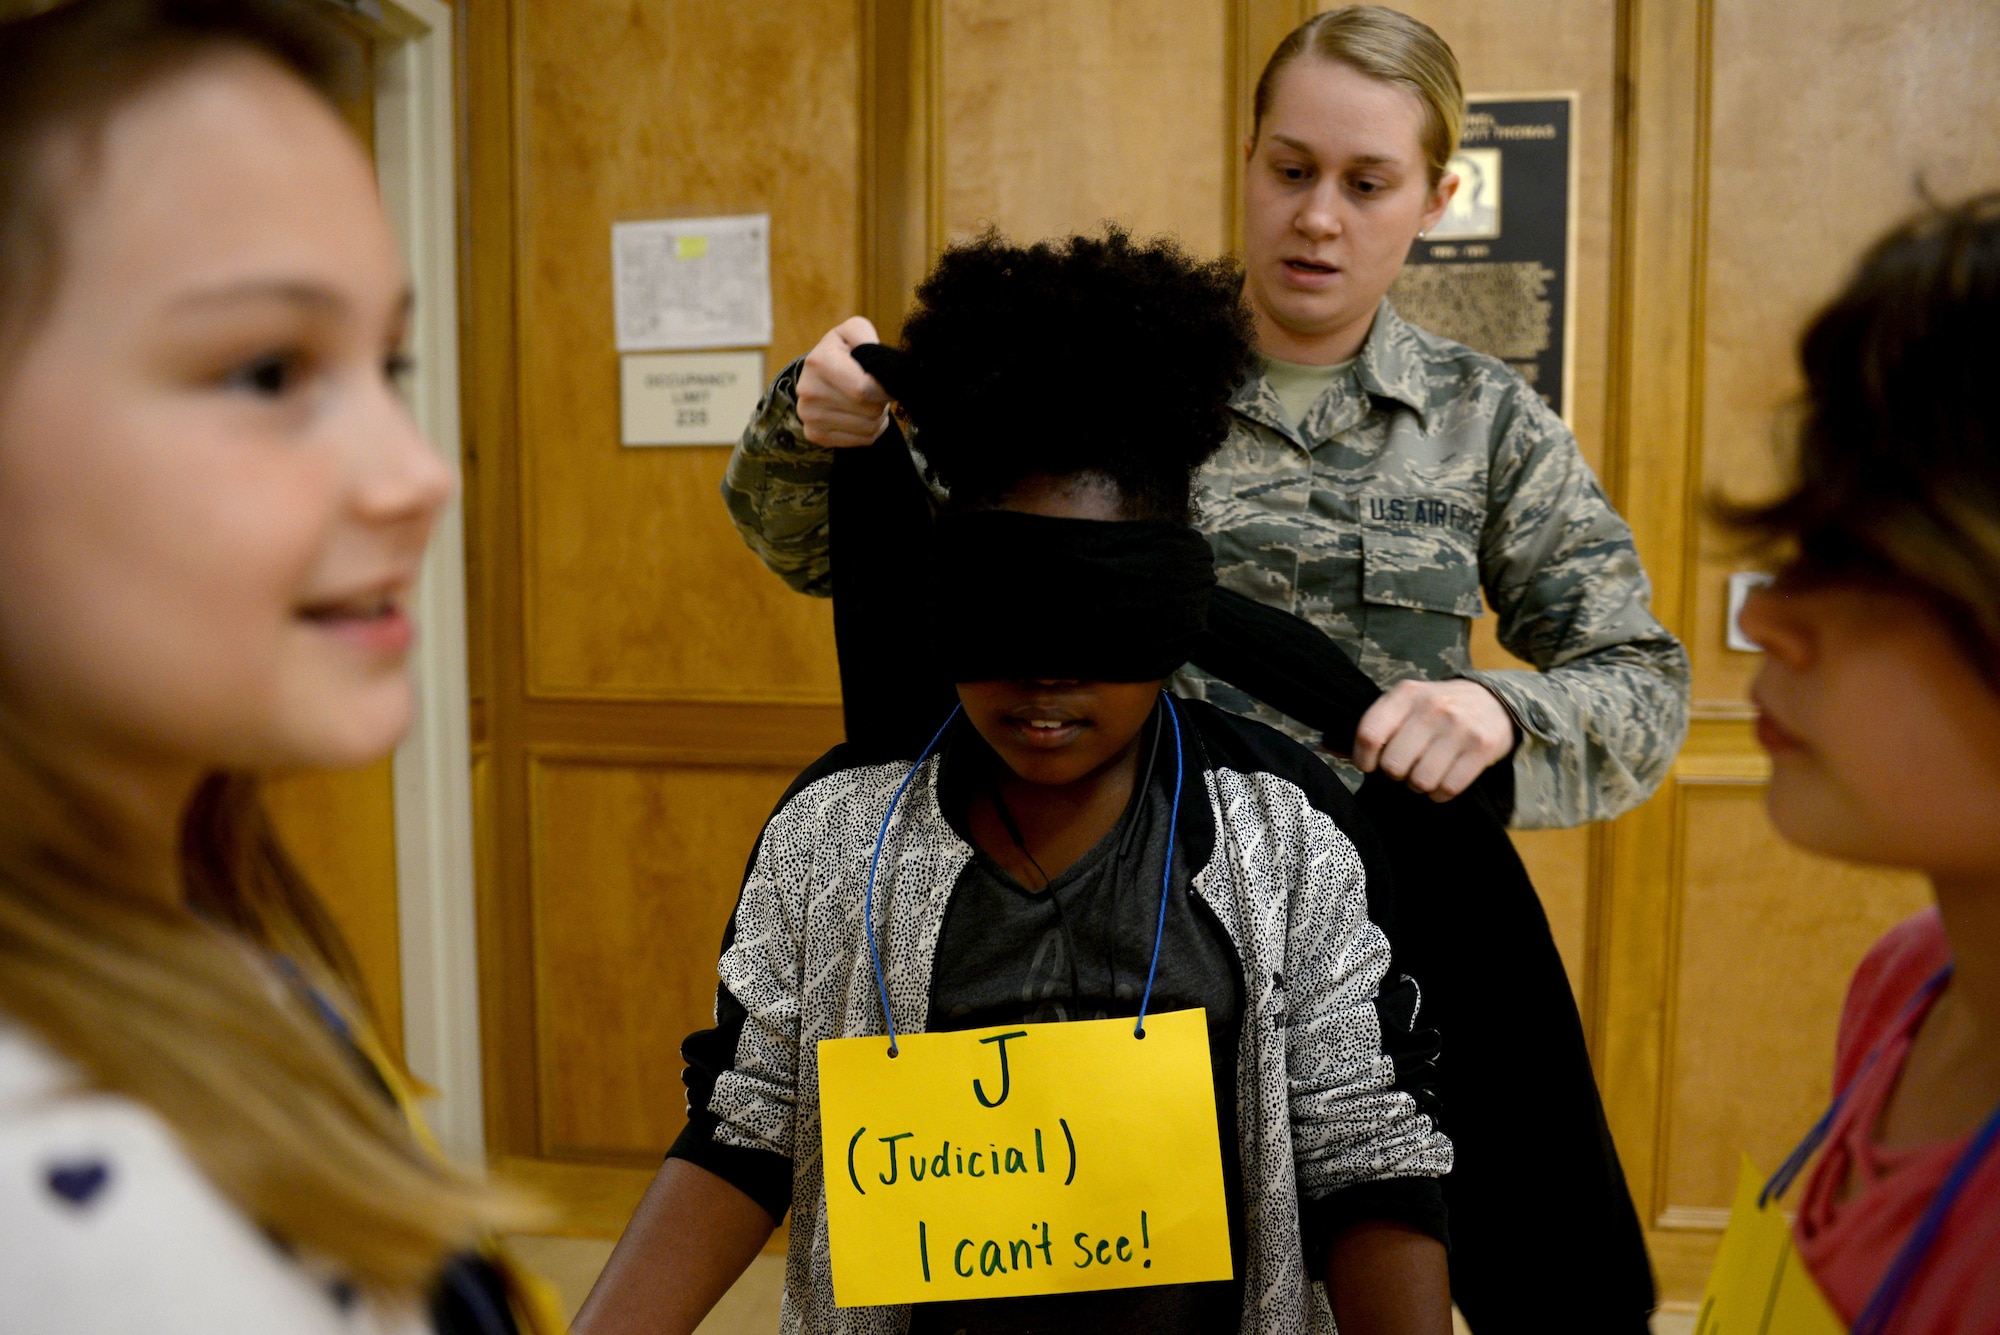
(1335, 1119)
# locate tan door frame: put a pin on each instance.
(416, 161)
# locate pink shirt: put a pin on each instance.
(1849, 1244)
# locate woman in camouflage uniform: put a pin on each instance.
(1377, 478)
(1375, 481)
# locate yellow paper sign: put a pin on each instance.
(1038, 1158)
(1759, 1286)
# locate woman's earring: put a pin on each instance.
(1421, 235)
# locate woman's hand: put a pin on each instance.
(840, 405)
(1435, 736)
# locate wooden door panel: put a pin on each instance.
(1536, 46)
(636, 586)
(637, 866)
(649, 688)
(1560, 864)
(641, 588)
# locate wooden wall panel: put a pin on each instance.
(1536, 46)
(636, 870)
(340, 826)
(1058, 114)
(636, 585)
(1663, 53)
(1831, 120)
(1768, 938)
(1811, 126)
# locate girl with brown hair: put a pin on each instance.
(1879, 701)
(212, 503)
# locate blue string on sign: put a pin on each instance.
(868, 902)
(1167, 876)
(1895, 1283)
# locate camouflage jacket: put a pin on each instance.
(1424, 476)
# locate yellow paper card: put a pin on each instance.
(1035, 1158)
(1759, 1286)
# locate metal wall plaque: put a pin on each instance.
(1495, 273)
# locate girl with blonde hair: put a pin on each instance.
(212, 505)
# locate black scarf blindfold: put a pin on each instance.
(1028, 597)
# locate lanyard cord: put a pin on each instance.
(1166, 877)
(868, 902)
(1795, 1162)
(1910, 1256)
(1014, 833)
(1054, 903)
(328, 1014)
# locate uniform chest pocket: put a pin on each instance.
(1422, 553)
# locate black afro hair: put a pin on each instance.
(1090, 355)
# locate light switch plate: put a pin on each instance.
(1741, 584)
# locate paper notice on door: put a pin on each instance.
(680, 283)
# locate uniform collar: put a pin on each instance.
(1257, 401)
(1389, 365)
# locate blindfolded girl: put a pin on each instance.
(1072, 845)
